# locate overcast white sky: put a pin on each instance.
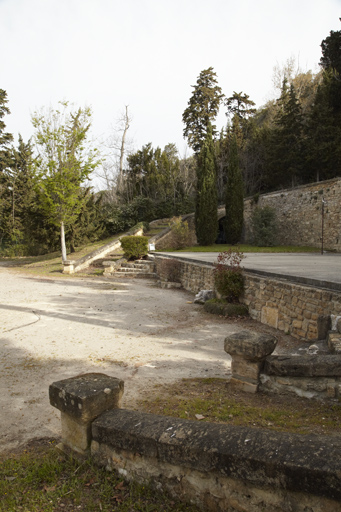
(148, 53)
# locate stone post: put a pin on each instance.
(82, 399)
(248, 350)
(69, 266)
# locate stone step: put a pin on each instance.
(137, 275)
(137, 266)
(129, 270)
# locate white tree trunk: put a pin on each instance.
(62, 241)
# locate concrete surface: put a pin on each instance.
(310, 268)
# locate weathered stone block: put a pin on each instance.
(250, 345)
(304, 366)
(245, 368)
(86, 396)
(269, 316)
(334, 342)
(76, 436)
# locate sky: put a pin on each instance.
(147, 54)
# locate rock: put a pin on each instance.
(203, 296)
(250, 345)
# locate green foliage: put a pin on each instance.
(234, 197)
(134, 247)
(203, 107)
(64, 163)
(170, 270)
(5, 137)
(206, 215)
(181, 236)
(264, 226)
(224, 308)
(228, 277)
(158, 176)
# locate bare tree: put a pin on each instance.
(117, 147)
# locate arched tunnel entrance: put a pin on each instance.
(221, 238)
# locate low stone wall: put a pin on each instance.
(218, 467)
(72, 266)
(285, 303)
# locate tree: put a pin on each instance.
(18, 195)
(203, 107)
(206, 215)
(5, 137)
(112, 170)
(63, 164)
(234, 197)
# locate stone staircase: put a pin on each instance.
(133, 269)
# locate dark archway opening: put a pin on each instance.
(221, 238)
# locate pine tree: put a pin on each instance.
(234, 197)
(206, 214)
(203, 107)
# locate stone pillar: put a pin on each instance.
(69, 266)
(82, 399)
(248, 350)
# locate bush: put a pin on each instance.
(181, 236)
(134, 247)
(264, 226)
(224, 308)
(170, 270)
(228, 277)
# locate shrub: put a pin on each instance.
(181, 236)
(228, 277)
(264, 226)
(134, 247)
(224, 308)
(170, 270)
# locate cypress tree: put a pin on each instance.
(206, 214)
(234, 197)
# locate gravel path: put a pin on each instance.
(52, 329)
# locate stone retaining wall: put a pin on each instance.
(285, 304)
(218, 467)
(299, 214)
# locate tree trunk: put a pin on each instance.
(62, 241)
(122, 151)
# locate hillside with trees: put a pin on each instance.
(47, 201)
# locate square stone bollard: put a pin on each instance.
(82, 399)
(248, 351)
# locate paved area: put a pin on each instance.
(323, 268)
(52, 329)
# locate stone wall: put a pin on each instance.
(285, 304)
(216, 466)
(299, 214)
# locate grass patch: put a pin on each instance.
(212, 399)
(42, 480)
(51, 264)
(245, 248)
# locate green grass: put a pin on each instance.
(51, 264)
(212, 399)
(245, 248)
(42, 480)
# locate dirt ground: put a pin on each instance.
(52, 329)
